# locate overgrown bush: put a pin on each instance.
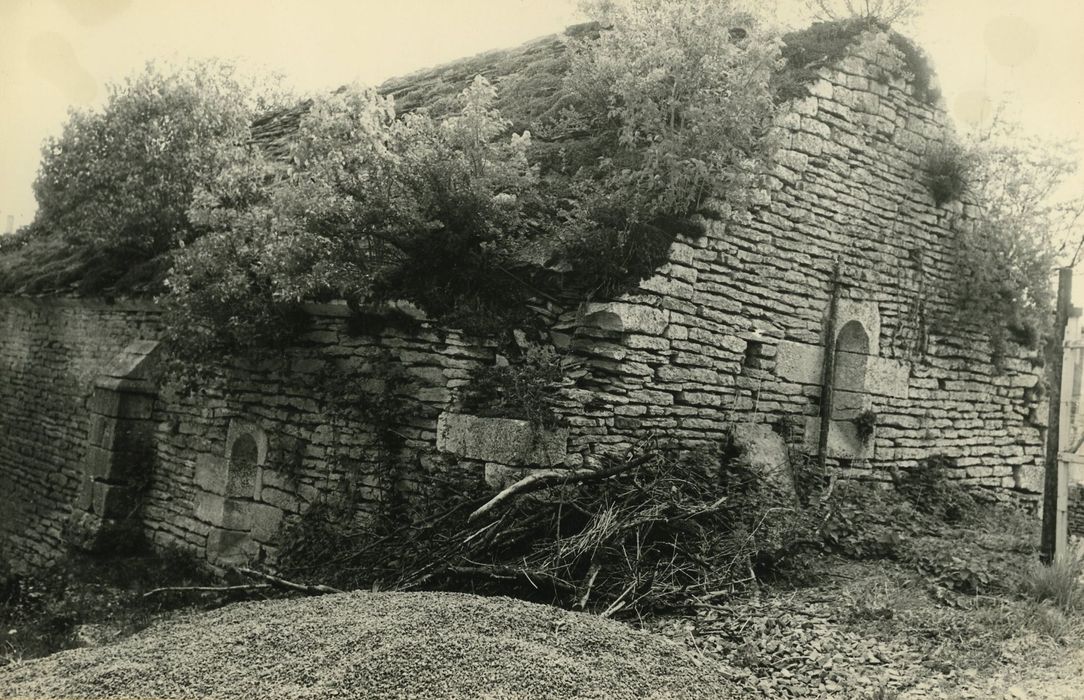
(821, 44)
(122, 178)
(930, 490)
(865, 424)
(522, 389)
(373, 205)
(1027, 221)
(867, 522)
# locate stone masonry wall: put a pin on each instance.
(51, 351)
(724, 343)
(97, 451)
(730, 333)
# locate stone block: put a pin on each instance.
(843, 440)
(105, 402)
(886, 377)
(85, 500)
(626, 318)
(99, 463)
(867, 314)
(503, 440)
(138, 360)
(229, 547)
(101, 430)
(223, 512)
(211, 474)
(281, 499)
(1028, 477)
(266, 521)
(799, 362)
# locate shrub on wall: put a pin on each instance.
(521, 390)
(1024, 226)
(372, 205)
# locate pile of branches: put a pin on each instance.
(645, 532)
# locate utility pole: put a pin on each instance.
(1053, 422)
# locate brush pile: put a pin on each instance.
(650, 531)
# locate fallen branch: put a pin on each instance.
(207, 589)
(555, 477)
(511, 573)
(308, 589)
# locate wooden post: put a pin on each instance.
(828, 373)
(1053, 422)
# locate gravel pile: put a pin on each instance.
(377, 645)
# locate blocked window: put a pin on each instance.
(244, 458)
(852, 357)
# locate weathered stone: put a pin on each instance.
(1028, 477)
(502, 440)
(211, 474)
(224, 512)
(799, 362)
(266, 521)
(763, 450)
(229, 547)
(843, 440)
(625, 317)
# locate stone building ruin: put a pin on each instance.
(725, 342)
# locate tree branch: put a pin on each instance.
(555, 477)
(308, 589)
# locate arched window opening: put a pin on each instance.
(852, 356)
(242, 467)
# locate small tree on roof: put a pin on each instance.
(887, 12)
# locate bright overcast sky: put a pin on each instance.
(59, 54)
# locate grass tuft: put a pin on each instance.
(1058, 582)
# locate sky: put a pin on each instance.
(57, 55)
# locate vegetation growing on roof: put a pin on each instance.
(828, 42)
(115, 187)
(367, 203)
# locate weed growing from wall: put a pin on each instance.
(517, 390)
(945, 173)
(865, 424)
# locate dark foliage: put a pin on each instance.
(946, 174)
(826, 43)
(520, 390)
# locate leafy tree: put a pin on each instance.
(366, 204)
(683, 87)
(888, 12)
(372, 205)
(121, 178)
(1026, 222)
